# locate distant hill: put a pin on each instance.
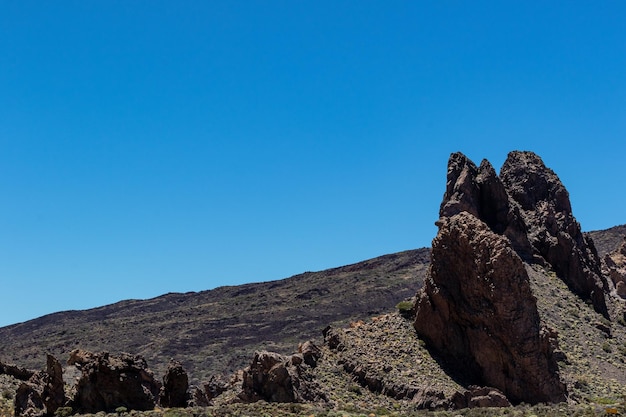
(608, 240)
(217, 331)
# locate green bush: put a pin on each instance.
(63, 412)
(406, 309)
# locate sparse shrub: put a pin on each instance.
(406, 309)
(121, 410)
(381, 411)
(606, 347)
(63, 412)
(355, 389)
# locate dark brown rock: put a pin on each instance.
(276, 378)
(15, 371)
(215, 387)
(175, 385)
(476, 396)
(552, 229)
(310, 353)
(108, 382)
(477, 311)
(479, 191)
(44, 392)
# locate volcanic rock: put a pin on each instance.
(310, 353)
(479, 191)
(108, 382)
(615, 267)
(477, 311)
(476, 396)
(175, 385)
(275, 378)
(552, 229)
(16, 372)
(44, 392)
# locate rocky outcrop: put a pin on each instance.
(476, 397)
(476, 308)
(552, 229)
(175, 385)
(275, 378)
(310, 353)
(16, 372)
(480, 192)
(529, 205)
(615, 267)
(477, 311)
(109, 381)
(43, 393)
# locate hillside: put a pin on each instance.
(217, 331)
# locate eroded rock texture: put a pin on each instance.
(175, 385)
(109, 381)
(615, 268)
(43, 393)
(276, 378)
(477, 311)
(552, 229)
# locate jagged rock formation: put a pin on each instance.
(175, 385)
(478, 312)
(43, 393)
(109, 381)
(552, 229)
(15, 371)
(529, 205)
(615, 267)
(477, 309)
(275, 378)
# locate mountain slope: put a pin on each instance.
(217, 331)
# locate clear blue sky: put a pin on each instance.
(152, 146)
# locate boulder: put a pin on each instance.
(276, 378)
(175, 385)
(109, 381)
(477, 312)
(43, 393)
(476, 396)
(310, 353)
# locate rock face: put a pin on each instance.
(478, 312)
(43, 393)
(275, 378)
(615, 268)
(108, 382)
(175, 385)
(476, 309)
(529, 205)
(552, 229)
